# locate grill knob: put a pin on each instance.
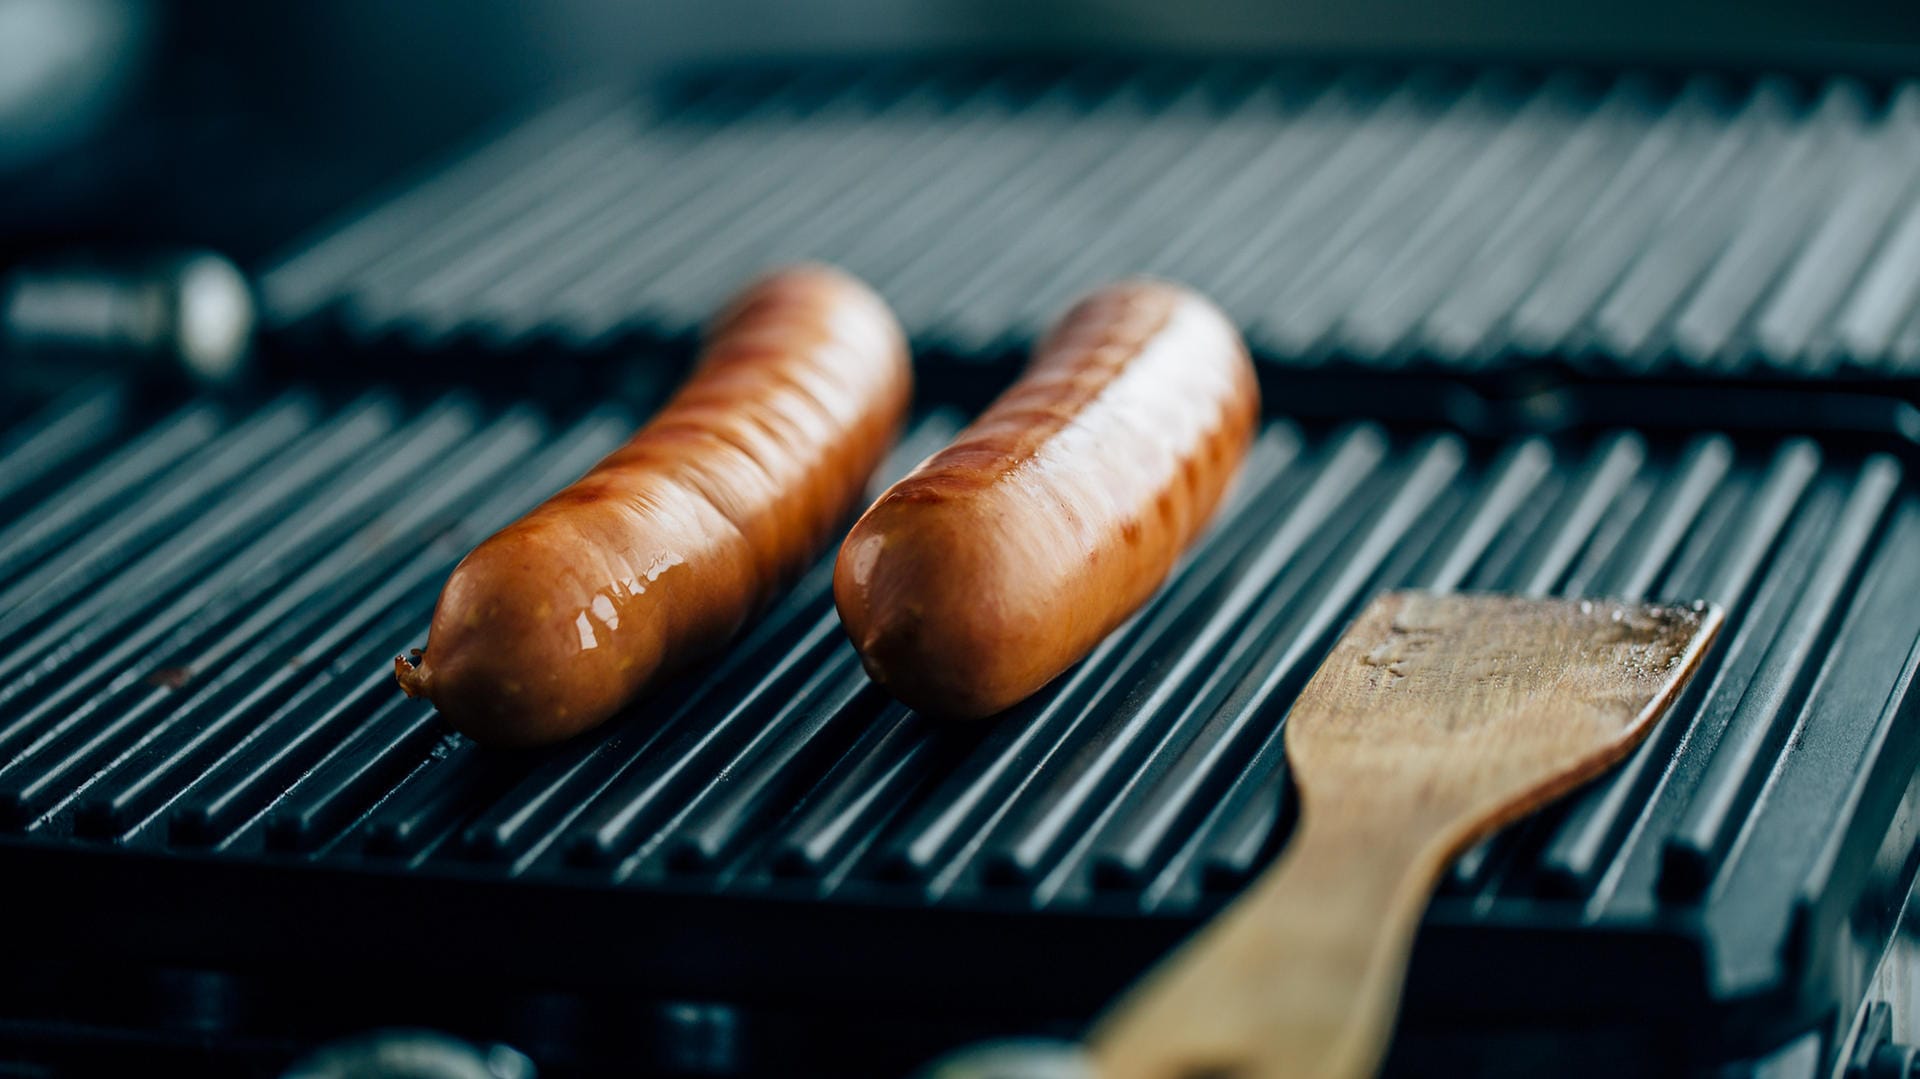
(410, 1054)
(1015, 1058)
(189, 313)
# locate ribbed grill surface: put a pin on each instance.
(198, 610)
(1466, 220)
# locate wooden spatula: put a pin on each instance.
(1435, 719)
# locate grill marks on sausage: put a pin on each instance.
(665, 549)
(1005, 557)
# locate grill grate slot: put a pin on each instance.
(38, 446)
(1755, 731)
(146, 521)
(90, 497)
(397, 559)
(1373, 218)
(843, 814)
(1597, 820)
(424, 809)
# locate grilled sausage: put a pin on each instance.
(663, 551)
(1007, 556)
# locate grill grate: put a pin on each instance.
(200, 606)
(1462, 221)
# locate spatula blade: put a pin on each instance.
(1495, 690)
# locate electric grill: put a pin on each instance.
(230, 837)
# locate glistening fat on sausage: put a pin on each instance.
(663, 551)
(1006, 557)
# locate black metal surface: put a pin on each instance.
(199, 605)
(1457, 221)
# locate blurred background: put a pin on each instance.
(232, 124)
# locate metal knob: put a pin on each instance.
(189, 313)
(410, 1054)
(1014, 1058)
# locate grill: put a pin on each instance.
(241, 839)
(1460, 221)
(198, 719)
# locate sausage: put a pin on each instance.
(1004, 558)
(661, 553)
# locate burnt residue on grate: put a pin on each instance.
(1461, 220)
(200, 609)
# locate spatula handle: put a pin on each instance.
(1300, 978)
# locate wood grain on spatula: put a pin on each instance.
(1434, 720)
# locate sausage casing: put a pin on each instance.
(1007, 556)
(660, 554)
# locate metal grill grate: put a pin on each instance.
(1464, 221)
(197, 610)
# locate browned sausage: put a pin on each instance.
(657, 556)
(1005, 557)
